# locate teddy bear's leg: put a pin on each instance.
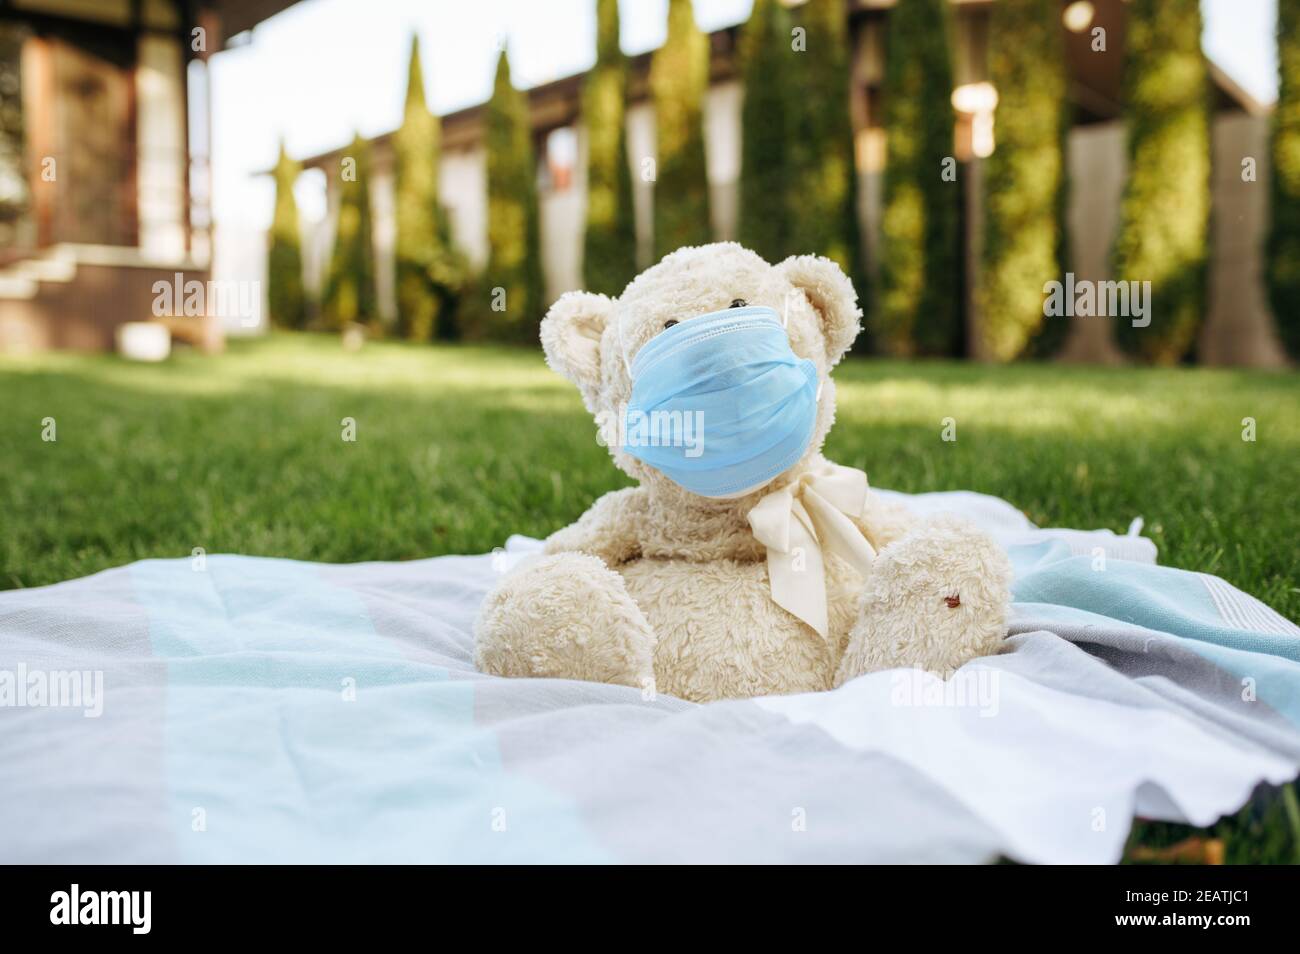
(566, 616)
(934, 599)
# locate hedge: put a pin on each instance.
(769, 191)
(1164, 216)
(679, 76)
(1284, 235)
(609, 244)
(1024, 180)
(825, 211)
(919, 305)
(350, 286)
(428, 270)
(510, 292)
(286, 301)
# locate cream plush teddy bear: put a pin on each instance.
(744, 563)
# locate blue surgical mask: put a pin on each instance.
(720, 403)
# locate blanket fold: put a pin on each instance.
(260, 710)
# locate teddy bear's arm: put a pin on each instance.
(607, 530)
(883, 522)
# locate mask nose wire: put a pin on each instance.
(785, 323)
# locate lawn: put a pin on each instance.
(458, 447)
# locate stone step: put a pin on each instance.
(17, 287)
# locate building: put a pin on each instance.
(103, 160)
(1238, 326)
(104, 170)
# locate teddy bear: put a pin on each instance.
(743, 563)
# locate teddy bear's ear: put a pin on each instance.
(831, 294)
(571, 334)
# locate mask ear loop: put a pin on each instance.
(621, 349)
(785, 323)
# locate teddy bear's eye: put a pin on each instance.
(670, 322)
(738, 303)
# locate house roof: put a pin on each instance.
(1095, 79)
(556, 104)
(120, 18)
(240, 15)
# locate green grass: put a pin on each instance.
(459, 447)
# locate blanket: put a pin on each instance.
(222, 709)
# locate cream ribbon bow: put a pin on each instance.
(801, 519)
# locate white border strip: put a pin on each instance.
(1242, 611)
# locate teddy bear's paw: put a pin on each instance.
(934, 600)
(565, 616)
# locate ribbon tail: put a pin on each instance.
(794, 524)
(790, 575)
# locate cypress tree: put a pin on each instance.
(448, 271)
(1024, 177)
(514, 249)
(825, 209)
(1164, 217)
(415, 159)
(769, 192)
(284, 287)
(1284, 235)
(350, 287)
(609, 248)
(679, 78)
(919, 310)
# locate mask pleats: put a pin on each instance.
(723, 406)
